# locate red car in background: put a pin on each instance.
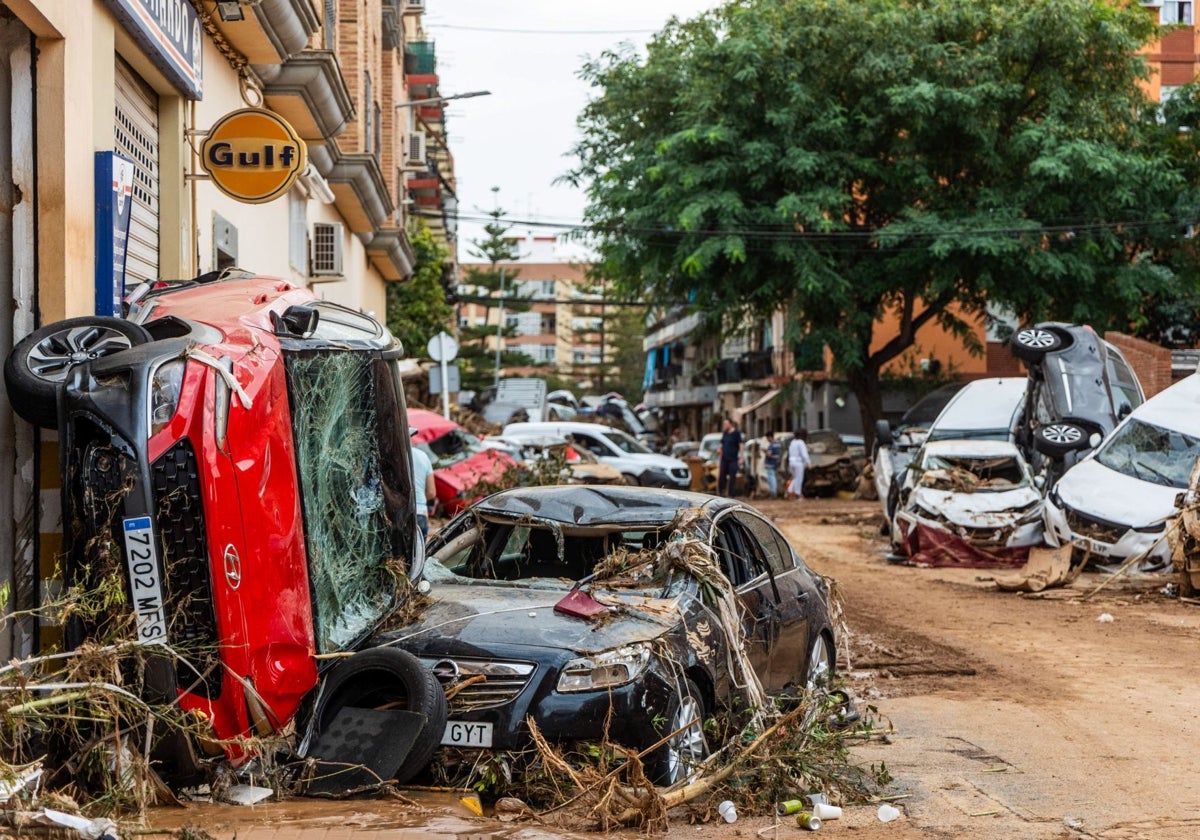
(460, 462)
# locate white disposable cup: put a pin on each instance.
(887, 813)
(727, 811)
(826, 812)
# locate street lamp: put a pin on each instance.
(440, 99)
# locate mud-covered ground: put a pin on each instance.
(1013, 716)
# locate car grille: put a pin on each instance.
(179, 518)
(501, 683)
(1096, 529)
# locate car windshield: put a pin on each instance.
(554, 557)
(450, 448)
(1151, 453)
(973, 474)
(355, 486)
(624, 442)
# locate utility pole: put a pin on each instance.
(499, 327)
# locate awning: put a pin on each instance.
(757, 404)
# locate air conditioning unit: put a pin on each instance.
(327, 249)
(414, 5)
(1154, 4)
(414, 159)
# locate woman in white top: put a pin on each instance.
(797, 461)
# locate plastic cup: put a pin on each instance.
(887, 813)
(826, 812)
(727, 811)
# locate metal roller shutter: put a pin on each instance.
(137, 139)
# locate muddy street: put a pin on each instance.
(1011, 715)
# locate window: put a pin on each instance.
(369, 131)
(527, 323)
(775, 548)
(537, 289)
(330, 24)
(298, 231)
(589, 324)
(1176, 12)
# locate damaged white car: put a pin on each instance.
(969, 497)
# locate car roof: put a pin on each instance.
(591, 505)
(1176, 408)
(983, 404)
(557, 427)
(429, 425)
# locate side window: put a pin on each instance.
(739, 554)
(1124, 386)
(774, 548)
(592, 445)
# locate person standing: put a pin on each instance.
(797, 461)
(423, 488)
(771, 457)
(731, 455)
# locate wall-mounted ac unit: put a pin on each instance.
(1156, 4)
(327, 249)
(414, 6)
(414, 158)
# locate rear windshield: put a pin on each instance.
(1151, 453)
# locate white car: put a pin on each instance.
(1119, 501)
(980, 490)
(614, 447)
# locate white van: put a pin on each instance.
(616, 448)
(1119, 500)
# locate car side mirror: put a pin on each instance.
(1124, 411)
(1039, 481)
(296, 320)
(1095, 439)
(883, 433)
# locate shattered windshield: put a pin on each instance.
(528, 551)
(1160, 456)
(355, 486)
(973, 474)
(452, 447)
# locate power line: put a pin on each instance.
(508, 31)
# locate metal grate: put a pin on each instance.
(501, 683)
(179, 518)
(327, 248)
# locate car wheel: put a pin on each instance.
(395, 678)
(1058, 439)
(1031, 343)
(39, 363)
(677, 759)
(819, 673)
(631, 480)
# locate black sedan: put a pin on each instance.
(579, 607)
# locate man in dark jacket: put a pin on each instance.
(731, 455)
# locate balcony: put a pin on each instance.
(309, 91)
(393, 29)
(273, 31)
(419, 58)
(728, 371)
(757, 364)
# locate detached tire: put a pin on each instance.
(1031, 343)
(38, 365)
(386, 676)
(675, 760)
(1057, 440)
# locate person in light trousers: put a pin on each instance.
(798, 460)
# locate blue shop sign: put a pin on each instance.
(170, 33)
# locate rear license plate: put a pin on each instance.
(145, 584)
(460, 733)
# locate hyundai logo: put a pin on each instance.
(233, 567)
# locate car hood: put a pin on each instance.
(654, 459)
(478, 616)
(1097, 491)
(972, 509)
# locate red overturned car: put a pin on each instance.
(460, 463)
(235, 453)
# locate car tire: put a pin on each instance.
(674, 761)
(373, 677)
(38, 365)
(1030, 344)
(1057, 440)
(820, 667)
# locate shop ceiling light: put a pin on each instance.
(230, 10)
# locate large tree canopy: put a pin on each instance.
(847, 158)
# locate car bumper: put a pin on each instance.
(659, 478)
(992, 535)
(1107, 542)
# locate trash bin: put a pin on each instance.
(696, 470)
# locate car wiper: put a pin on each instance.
(1166, 479)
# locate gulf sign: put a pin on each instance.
(252, 155)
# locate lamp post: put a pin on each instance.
(437, 100)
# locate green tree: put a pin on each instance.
(417, 310)
(489, 287)
(849, 160)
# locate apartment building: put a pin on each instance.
(108, 104)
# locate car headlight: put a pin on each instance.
(606, 670)
(165, 389)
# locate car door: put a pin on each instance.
(787, 654)
(745, 565)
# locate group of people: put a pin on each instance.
(731, 457)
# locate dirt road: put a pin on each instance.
(1013, 716)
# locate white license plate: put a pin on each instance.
(1099, 548)
(144, 581)
(461, 733)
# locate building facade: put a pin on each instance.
(93, 88)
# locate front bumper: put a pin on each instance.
(994, 533)
(1107, 540)
(679, 479)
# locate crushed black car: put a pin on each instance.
(615, 613)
